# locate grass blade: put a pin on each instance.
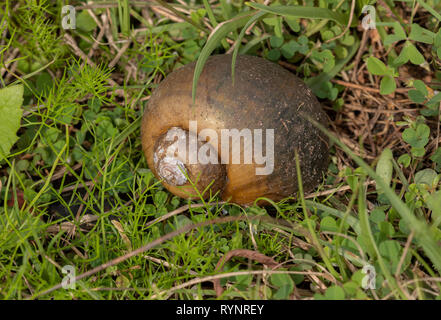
(257, 17)
(302, 12)
(423, 233)
(214, 39)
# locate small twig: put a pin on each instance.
(96, 42)
(338, 189)
(13, 55)
(231, 274)
(348, 25)
(120, 53)
(149, 246)
(403, 256)
(167, 264)
(405, 284)
(360, 87)
(60, 174)
(359, 54)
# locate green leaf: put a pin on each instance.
(280, 279)
(347, 40)
(341, 52)
(85, 22)
(51, 135)
(327, 34)
(384, 167)
(409, 52)
(289, 49)
(392, 251)
(325, 90)
(426, 176)
(320, 82)
(285, 284)
(414, 55)
(404, 159)
(335, 293)
(276, 42)
(434, 204)
(398, 35)
(418, 33)
(276, 23)
(417, 152)
(416, 96)
(283, 292)
(43, 83)
(386, 229)
(420, 86)
(418, 137)
(273, 54)
(293, 23)
(328, 224)
(387, 85)
(160, 198)
(436, 156)
(11, 99)
(402, 58)
(377, 67)
(325, 57)
(181, 221)
(377, 216)
(435, 99)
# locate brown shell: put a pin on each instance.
(264, 96)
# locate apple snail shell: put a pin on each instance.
(264, 99)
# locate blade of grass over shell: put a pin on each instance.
(218, 33)
(302, 12)
(210, 13)
(257, 17)
(213, 21)
(423, 233)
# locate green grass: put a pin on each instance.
(75, 188)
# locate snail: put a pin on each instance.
(237, 139)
